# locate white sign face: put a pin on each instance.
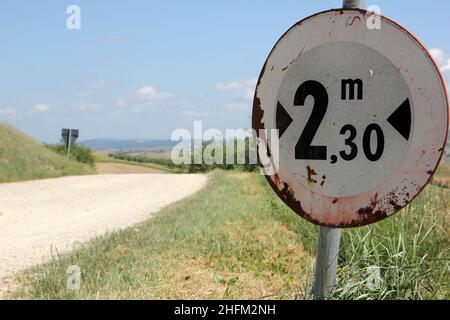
(362, 116)
(353, 115)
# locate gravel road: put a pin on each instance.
(38, 216)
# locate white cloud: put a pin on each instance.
(121, 103)
(103, 84)
(238, 106)
(83, 94)
(143, 99)
(442, 59)
(41, 107)
(94, 87)
(245, 88)
(7, 111)
(87, 105)
(195, 114)
(149, 93)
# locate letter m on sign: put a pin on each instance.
(350, 86)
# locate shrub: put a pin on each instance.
(77, 152)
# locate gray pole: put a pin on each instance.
(353, 4)
(326, 262)
(68, 143)
(328, 244)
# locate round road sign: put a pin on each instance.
(362, 116)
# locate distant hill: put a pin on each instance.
(126, 145)
(22, 158)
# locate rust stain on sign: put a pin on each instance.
(258, 114)
(351, 20)
(311, 173)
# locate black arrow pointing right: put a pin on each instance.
(283, 119)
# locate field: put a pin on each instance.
(22, 158)
(105, 158)
(236, 240)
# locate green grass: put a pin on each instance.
(443, 170)
(22, 158)
(237, 240)
(411, 249)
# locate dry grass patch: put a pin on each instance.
(200, 279)
(443, 182)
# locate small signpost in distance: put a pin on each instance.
(69, 137)
(362, 116)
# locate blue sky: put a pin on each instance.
(140, 69)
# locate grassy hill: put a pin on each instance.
(22, 158)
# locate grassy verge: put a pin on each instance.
(22, 158)
(442, 176)
(237, 240)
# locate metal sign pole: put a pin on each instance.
(353, 4)
(68, 143)
(326, 262)
(328, 244)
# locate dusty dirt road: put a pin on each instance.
(122, 168)
(39, 216)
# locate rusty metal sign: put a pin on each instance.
(362, 116)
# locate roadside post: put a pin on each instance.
(362, 123)
(69, 137)
(353, 4)
(329, 238)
